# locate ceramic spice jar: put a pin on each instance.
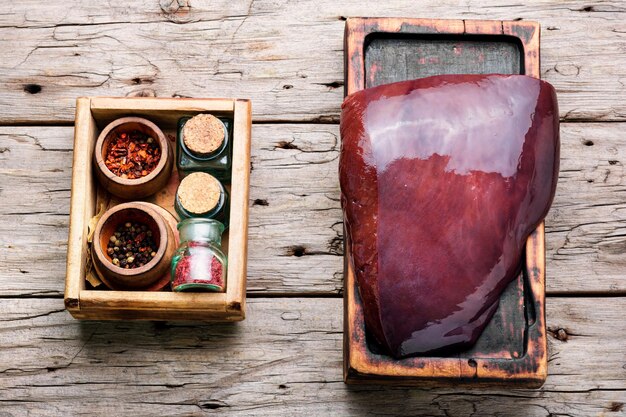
(204, 143)
(199, 264)
(133, 245)
(133, 158)
(201, 195)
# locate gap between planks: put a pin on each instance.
(322, 295)
(322, 120)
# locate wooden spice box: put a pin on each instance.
(92, 115)
(513, 347)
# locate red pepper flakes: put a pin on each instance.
(132, 155)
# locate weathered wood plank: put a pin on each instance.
(295, 235)
(284, 359)
(285, 56)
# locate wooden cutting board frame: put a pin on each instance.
(513, 348)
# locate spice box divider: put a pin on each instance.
(512, 349)
(93, 114)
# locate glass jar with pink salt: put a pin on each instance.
(199, 263)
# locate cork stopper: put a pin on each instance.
(203, 134)
(199, 193)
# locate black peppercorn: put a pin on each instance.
(130, 245)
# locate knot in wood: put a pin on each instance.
(176, 11)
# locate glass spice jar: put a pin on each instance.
(201, 195)
(204, 144)
(199, 264)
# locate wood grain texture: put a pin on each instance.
(284, 359)
(285, 56)
(295, 234)
(239, 196)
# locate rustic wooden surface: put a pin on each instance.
(285, 358)
(284, 55)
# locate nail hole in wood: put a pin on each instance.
(283, 144)
(334, 84)
(32, 88)
(139, 80)
(213, 405)
(297, 251)
(260, 202)
(588, 143)
(287, 87)
(612, 162)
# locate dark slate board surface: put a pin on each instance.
(397, 58)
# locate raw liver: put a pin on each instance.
(442, 180)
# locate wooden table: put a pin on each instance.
(285, 358)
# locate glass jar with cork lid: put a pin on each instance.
(199, 263)
(201, 195)
(204, 144)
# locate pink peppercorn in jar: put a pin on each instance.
(199, 264)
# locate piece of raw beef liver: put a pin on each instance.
(442, 180)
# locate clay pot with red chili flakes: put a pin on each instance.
(133, 158)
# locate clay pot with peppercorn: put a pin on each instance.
(133, 158)
(133, 245)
